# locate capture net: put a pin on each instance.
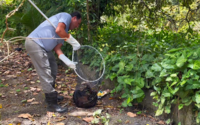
(90, 67)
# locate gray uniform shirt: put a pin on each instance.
(46, 30)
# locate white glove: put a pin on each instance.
(75, 44)
(67, 61)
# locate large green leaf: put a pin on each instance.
(137, 92)
(169, 79)
(125, 95)
(140, 82)
(148, 57)
(187, 100)
(144, 67)
(124, 104)
(128, 81)
(180, 106)
(197, 97)
(121, 67)
(163, 73)
(156, 67)
(112, 76)
(118, 88)
(193, 84)
(166, 94)
(158, 89)
(149, 74)
(198, 118)
(181, 61)
(168, 109)
(159, 112)
(138, 95)
(132, 57)
(174, 50)
(129, 100)
(156, 80)
(120, 79)
(129, 67)
(168, 64)
(115, 68)
(196, 65)
(173, 91)
(153, 94)
(183, 82)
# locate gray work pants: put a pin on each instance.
(44, 63)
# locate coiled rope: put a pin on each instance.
(15, 39)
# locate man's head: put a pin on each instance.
(75, 21)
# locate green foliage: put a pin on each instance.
(9, 1)
(181, 80)
(26, 88)
(2, 85)
(140, 53)
(18, 90)
(30, 69)
(99, 118)
(27, 18)
(164, 61)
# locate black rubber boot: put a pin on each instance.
(52, 101)
(59, 97)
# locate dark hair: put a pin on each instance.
(76, 14)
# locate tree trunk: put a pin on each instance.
(88, 21)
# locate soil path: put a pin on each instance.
(21, 94)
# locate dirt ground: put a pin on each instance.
(22, 100)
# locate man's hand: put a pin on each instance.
(67, 61)
(62, 57)
(75, 44)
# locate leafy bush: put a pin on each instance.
(164, 61)
(177, 79)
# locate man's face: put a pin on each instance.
(74, 23)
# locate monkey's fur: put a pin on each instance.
(85, 97)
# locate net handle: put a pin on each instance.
(102, 60)
(42, 13)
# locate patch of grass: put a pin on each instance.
(18, 90)
(2, 85)
(140, 112)
(16, 111)
(26, 88)
(63, 85)
(67, 71)
(24, 101)
(121, 110)
(119, 121)
(30, 69)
